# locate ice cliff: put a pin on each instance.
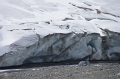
(33, 31)
(62, 47)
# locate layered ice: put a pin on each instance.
(33, 31)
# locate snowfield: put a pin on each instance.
(21, 21)
(15, 16)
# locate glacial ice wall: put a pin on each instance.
(62, 47)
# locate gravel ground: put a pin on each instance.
(92, 71)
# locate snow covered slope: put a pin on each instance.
(21, 19)
(26, 17)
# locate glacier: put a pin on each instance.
(35, 31)
(62, 47)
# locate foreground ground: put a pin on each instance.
(92, 71)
